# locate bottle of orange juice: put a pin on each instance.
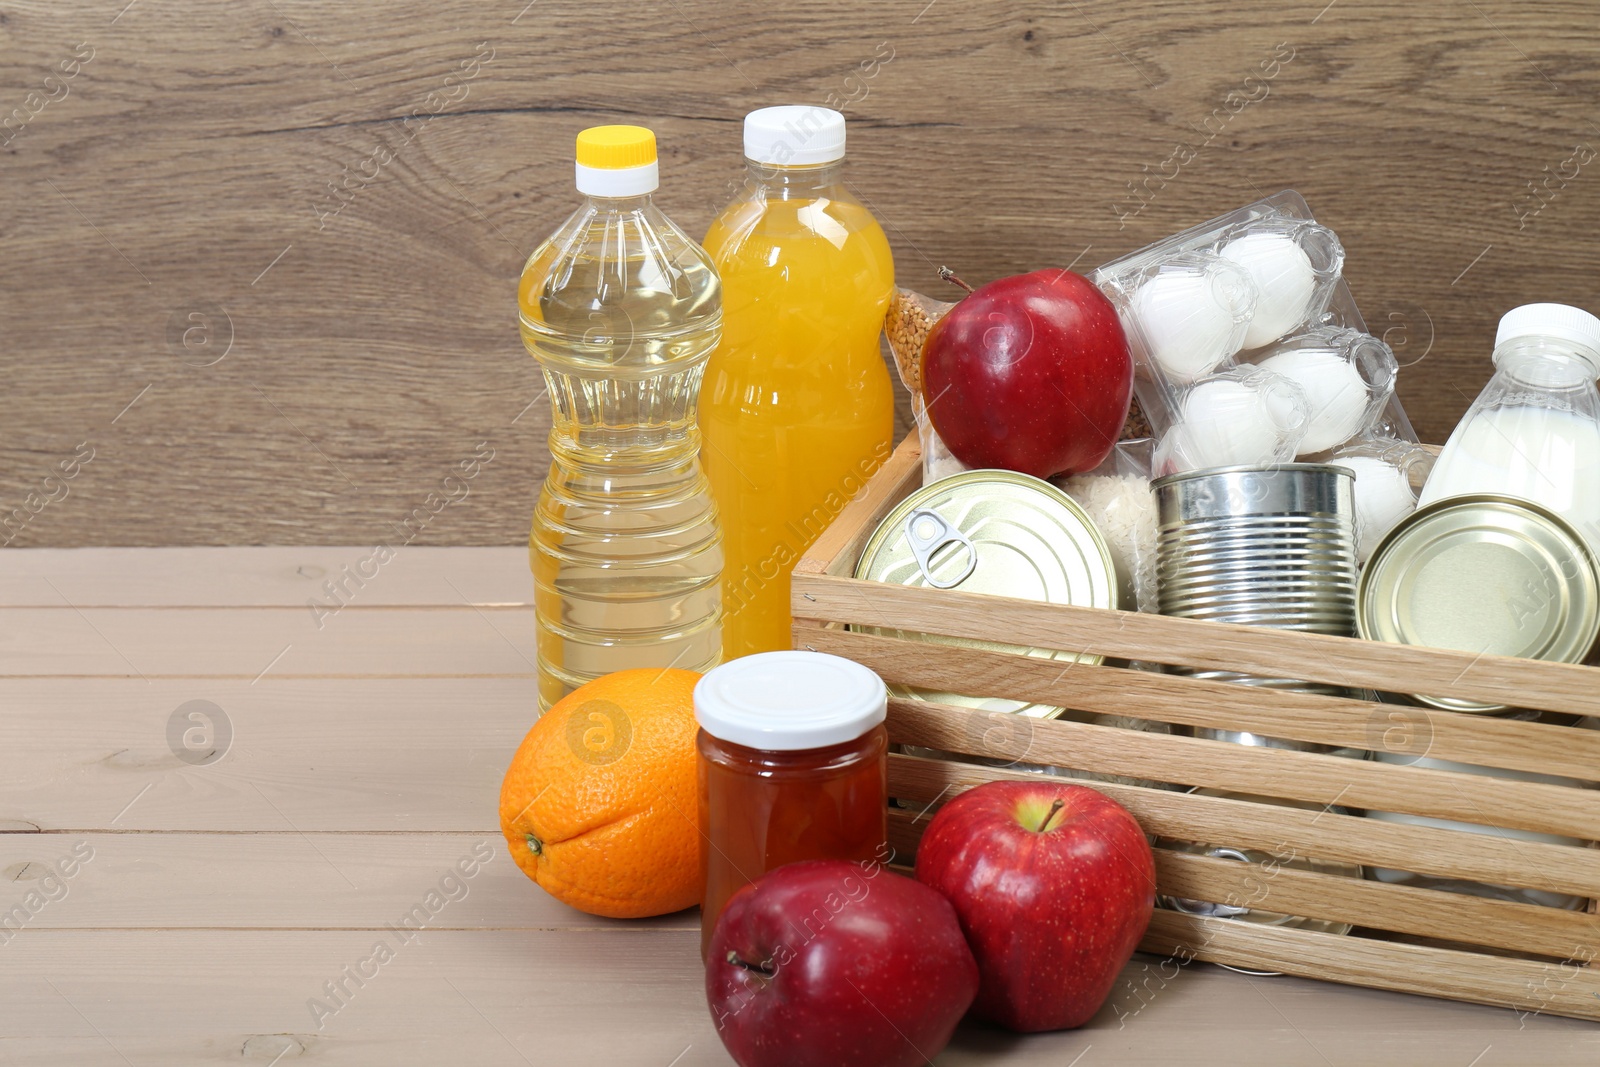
(796, 411)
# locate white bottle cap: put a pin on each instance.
(794, 135)
(1550, 320)
(616, 161)
(616, 182)
(789, 701)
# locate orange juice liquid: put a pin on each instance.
(796, 411)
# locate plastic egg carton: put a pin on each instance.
(1249, 350)
(1248, 347)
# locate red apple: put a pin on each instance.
(828, 963)
(1054, 884)
(1030, 373)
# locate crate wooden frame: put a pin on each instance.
(1519, 956)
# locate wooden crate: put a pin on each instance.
(1411, 939)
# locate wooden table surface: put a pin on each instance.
(220, 885)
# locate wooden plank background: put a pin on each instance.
(250, 356)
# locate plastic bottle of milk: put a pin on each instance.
(1534, 431)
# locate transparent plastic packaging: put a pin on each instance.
(911, 316)
(621, 309)
(1117, 497)
(1192, 312)
(1243, 416)
(1229, 295)
(1347, 377)
(1294, 264)
(1389, 475)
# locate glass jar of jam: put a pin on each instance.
(793, 766)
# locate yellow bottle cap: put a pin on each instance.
(616, 147)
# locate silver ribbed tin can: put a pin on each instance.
(1263, 546)
(1268, 546)
(1260, 546)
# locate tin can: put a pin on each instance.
(1249, 906)
(1486, 574)
(1268, 546)
(1515, 894)
(1260, 546)
(995, 532)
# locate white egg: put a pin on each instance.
(1383, 498)
(1338, 396)
(1225, 423)
(1189, 332)
(1285, 283)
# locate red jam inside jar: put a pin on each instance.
(793, 765)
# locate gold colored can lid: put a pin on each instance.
(1486, 574)
(997, 532)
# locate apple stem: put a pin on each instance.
(753, 968)
(950, 276)
(1057, 806)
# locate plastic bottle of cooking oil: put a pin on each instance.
(797, 410)
(621, 309)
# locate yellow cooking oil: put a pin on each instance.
(621, 308)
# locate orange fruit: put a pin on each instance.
(600, 805)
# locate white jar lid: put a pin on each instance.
(794, 135)
(789, 701)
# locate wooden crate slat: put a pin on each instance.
(1454, 736)
(1339, 661)
(1273, 828)
(1515, 927)
(1526, 985)
(1526, 928)
(1304, 776)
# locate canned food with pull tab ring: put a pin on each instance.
(995, 532)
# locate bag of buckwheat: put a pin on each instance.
(911, 315)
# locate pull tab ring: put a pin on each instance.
(927, 532)
(1211, 909)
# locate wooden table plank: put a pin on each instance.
(171, 998)
(283, 880)
(418, 754)
(251, 643)
(582, 997)
(260, 577)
